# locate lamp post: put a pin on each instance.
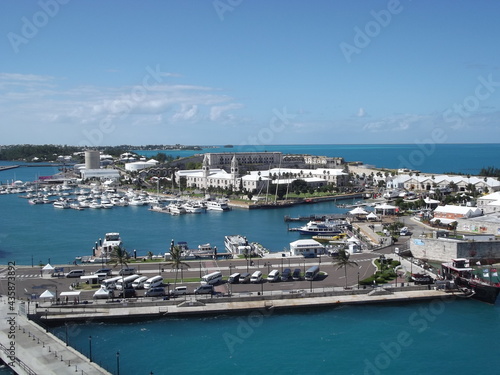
(90, 348)
(200, 270)
(358, 279)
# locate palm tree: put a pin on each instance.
(176, 262)
(343, 261)
(119, 256)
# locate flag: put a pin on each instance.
(494, 272)
(486, 272)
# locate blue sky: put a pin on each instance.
(249, 72)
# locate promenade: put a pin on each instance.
(29, 350)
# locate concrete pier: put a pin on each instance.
(29, 350)
(202, 305)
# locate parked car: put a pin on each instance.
(139, 283)
(244, 278)
(75, 273)
(286, 275)
(155, 292)
(103, 271)
(126, 271)
(204, 289)
(127, 293)
(273, 276)
(256, 277)
(296, 274)
(179, 291)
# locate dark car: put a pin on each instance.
(286, 275)
(296, 274)
(127, 293)
(155, 292)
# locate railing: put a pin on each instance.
(21, 364)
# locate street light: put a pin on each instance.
(358, 279)
(90, 348)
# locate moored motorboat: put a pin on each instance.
(327, 227)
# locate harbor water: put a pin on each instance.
(430, 337)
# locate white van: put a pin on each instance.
(126, 281)
(75, 273)
(273, 276)
(212, 278)
(110, 283)
(256, 277)
(234, 278)
(139, 282)
(153, 282)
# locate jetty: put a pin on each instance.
(130, 309)
(29, 349)
(7, 167)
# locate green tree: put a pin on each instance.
(119, 256)
(342, 261)
(176, 262)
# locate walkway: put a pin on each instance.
(29, 349)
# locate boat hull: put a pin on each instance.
(482, 292)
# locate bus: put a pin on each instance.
(126, 281)
(312, 273)
(212, 278)
(110, 283)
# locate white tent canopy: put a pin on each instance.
(372, 215)
(358, 211)
(48, 267)
(47, 294)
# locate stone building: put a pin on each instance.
(443, 249)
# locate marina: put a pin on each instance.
(144, 231)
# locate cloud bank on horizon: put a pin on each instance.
(241, 72)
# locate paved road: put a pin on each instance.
(29, 283)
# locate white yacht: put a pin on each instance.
(60, 204)
(176, 209)
(194, 207)
(218, 205)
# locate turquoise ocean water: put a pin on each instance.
(430, 337)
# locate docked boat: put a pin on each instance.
(483, 283)
(111, 240)
(217, 205)
(176, 209)
(194, 207)
(239, 245)
(61, 204)
(327, 227)
(35, 201)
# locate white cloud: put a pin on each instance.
(40, 102)
(219, 112)
(361, 112)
